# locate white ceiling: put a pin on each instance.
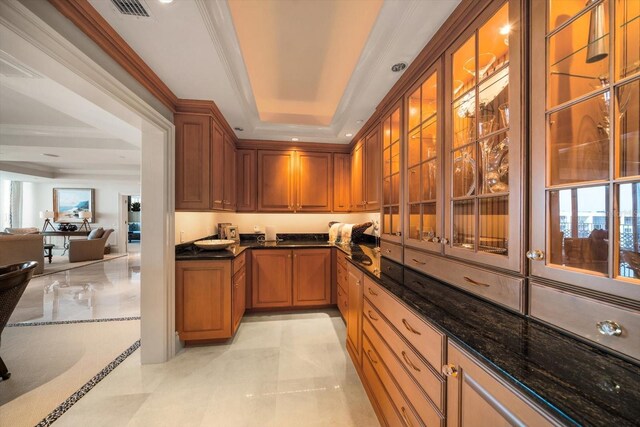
(192, 46)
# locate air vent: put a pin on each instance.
(131, 8)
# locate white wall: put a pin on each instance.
(195, 225)
(106, 203)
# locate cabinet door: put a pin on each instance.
(471, 390)
(271, 277)
(229, 188)
(585, 158)
(423, 160)
(311, 277)
(192, 162)
(275, 181)
(203, 299)
(239, 296)
(372, 178)
(391, 177)
(483, 137)
(314, 182)
(246, 180)
(341, 182)
(217, 167)
(354, 310)
(357, 177)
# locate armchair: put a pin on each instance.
(88, 249)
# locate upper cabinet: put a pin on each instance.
(192, 161)
(391, 177)
(341, 182)
(217, 167)
(482, 149)
(314, 177)
(275, 181)
(246, 184)
(423, 160)
(229, 175)
(586, 144)
(365, 173)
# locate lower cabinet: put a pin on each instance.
(472, 390)
(354, 311)
(239, 297)
(203, 300)
(291, 278)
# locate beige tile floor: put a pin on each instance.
(279, 370)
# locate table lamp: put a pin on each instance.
(85, 216)
(47, 216)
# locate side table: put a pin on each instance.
(47, 251)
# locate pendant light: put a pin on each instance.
(597, 48)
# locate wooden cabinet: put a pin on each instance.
(276, 181)
(341, 182)
(314, 182)
(203, 300)
(365, 173)
(354, 312)
(229, 175)
(271, 278)
(192, 161)
(239, 292)
(391, 178)
(291, 278)
(472, 390)
(246, 180)
(357, 177)
(216, 177)
(311, 277)
(584, 146)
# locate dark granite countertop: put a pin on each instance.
(577, 383)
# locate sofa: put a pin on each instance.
(17, 248)
(91, 248)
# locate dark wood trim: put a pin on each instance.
(205, 107)
(259, 144)
(466, 12)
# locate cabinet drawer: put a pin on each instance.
(500, 288)
(341, 258)
(382, 399)
(391, 251)
(427, 341)
(342, 276)
(343, 302)
(401, 404)
(583, 316)
(432, 384)
(239, 262)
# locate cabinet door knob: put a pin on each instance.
(436, 239)
(609, 328)
(535, 255)
(450, 370)
(444, 241)
(398, 233)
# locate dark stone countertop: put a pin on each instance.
(577, 383)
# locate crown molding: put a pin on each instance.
(7, 129)
(261, 144)
(207, 108)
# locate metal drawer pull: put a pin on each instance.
(217, 201)
(473, 282)
(371, 316)
(406, 359)
(409, 328)
(450, 370)
(609, 328)
(418, 262)
(388, 251)
(371, 357)
(372, 292)
(406, 418)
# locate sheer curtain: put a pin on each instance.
(15, 204)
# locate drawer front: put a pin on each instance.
(343, 302)
(239, 262)
(587, 317)
(500, 288)
(341, 258)
(342, 276)
(427, 341)
(401, 404)
(430, 382)
(382, 399)
(391, 251)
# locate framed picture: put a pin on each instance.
(69, 202)
(231, 233)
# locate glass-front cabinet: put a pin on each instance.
(423, 189)
(482, 150)
(391, 177)
(585, 184)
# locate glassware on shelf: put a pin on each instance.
(464, 174)
(457, 85)
(485, 61)
(504, 114)
(485, 123)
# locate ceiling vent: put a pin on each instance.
(131, 8)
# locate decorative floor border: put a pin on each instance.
(82, 391)
(71, 322)
(87, 263)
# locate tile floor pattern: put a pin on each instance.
(107, 289)
(279, 370)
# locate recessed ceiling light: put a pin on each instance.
(504, 30)
(295, 139)
(359, 122)
(166, 1)
(49, 155)
(398, 67)
(348, 135)
(239, 129)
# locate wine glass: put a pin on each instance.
(485, 61)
